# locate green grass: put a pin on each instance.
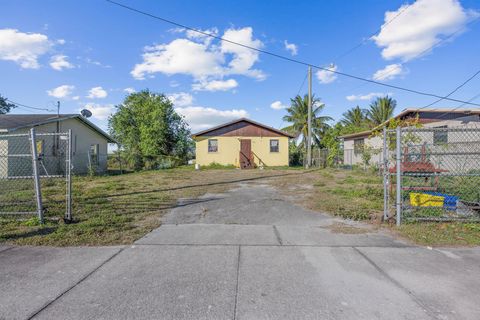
(110, 210)
(442, 234)
(358, 195)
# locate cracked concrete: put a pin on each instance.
(244, 254)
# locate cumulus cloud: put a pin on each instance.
(60, 62)
(199, 118)
(206, 61)
(100, 111)
(325, 76)
(200, 36)
(61, 92)
(129, 90)
(366, 97)
(181, 99)
(290, 47)
(215, 85)
(243, 58)
(278, 105)
(181, 56)
(23, 48)
(390, 72)
(420, 27)
(97, 93)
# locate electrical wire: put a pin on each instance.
(371, 36)
(288, 58)
(28, 107)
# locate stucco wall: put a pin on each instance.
(377, 142)
(229, 148)
(82, 138)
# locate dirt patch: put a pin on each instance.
(343, 228)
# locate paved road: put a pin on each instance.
(244, 254)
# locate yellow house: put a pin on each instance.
(243, 143)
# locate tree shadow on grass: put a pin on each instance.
(192, 186)
(28, 234)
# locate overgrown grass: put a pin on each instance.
(358, 195)
(442, 234)
(116, 209)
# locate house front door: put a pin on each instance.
(246, 161)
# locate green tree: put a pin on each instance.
(5, 106)
(381, 110)
(298, 118)
(147, 126)
(355, 117)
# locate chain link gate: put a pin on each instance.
(434, 174)
(32, 167)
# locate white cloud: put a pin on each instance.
(325, 76)
(389, 72)
(277, 105)
(97, 93)
(23, 48)
(215, 85)
(129, 90)
(291, 47)
(61, 41)
(76, 98)
(181, 99)
(61, 91)
(59, 62)
(204, 60)
(199, 118)
(99, 111)
(367, 97)
(243, 58)
(181, 56)
(420, 26)
(200, 36)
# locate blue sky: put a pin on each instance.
(88, 54)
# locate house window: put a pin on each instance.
(274, 145)
(212, 145)
(94, 153)
(358, 145)
(440, 136)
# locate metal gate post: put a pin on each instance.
(68, 175)
(36, 175)
(385, 177)
(399, 175)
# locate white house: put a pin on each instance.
(89, 143)
(354, 144)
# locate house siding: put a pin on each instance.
(229, 150)
(376, 142)
(85, 137)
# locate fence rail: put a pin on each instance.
(31, 166)
(432, 174)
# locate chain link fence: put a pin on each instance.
(35, 174)
(432, 174)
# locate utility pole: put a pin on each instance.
(309, 125)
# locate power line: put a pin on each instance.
(455, 90)
(372, 35)
(28, 107)
(288, 58)
(436, 44)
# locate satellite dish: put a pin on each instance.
(86, 113)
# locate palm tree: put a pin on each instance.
(381, 110)
(298, 117)
(355, 117)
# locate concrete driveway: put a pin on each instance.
(245, 254)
